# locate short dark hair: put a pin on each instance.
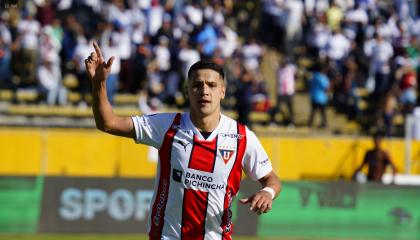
(204, 64)
(379, 134)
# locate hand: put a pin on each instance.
(260, 202)
(96, 67)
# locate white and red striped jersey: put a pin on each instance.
(197, 179)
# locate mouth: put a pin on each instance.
(204, 102)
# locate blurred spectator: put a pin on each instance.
(29, 31)
(380, 52)
(318, 38)
(377, 160)
(228, 42)
(49, 76)
(110, 48)
(319, 85)
(166, 30)
(406, 76)
(243, 95)
(387, 110)
(260, 98)
(207, 40)
(364, 42)
(46, 12)
(5, 55)
(194, 13)
(49, 47)
(142, 58)
(82, 47)
(334, 16)
(252, 54)
(347, 98)
(154, 17)
(337, 48)
(187, 55)
(71, 32)
(273, 24)
(121, 36)
(294, 10)
(285, 89)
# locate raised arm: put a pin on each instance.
(105, 119)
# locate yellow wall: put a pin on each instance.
(79, 152)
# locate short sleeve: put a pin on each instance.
(256, 162)
(151, 129)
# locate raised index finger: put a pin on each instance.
(98, 51)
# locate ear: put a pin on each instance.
(185, 88)
(223, 91)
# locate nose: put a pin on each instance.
(205, 89)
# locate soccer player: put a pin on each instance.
(201, 156)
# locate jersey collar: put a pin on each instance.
(197, 133)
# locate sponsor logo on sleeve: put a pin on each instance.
(264, 162)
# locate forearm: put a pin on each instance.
(105, 118)
(102, 109)
(271, 181)
(262, 201)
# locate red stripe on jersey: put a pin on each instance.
(234, 182)
(203, 155)
(194, 214)
(202, 158)
(159, 206)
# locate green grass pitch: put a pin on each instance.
(113, 237)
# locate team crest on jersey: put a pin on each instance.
(226, 154)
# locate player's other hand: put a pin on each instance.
(260, 202)
(97, 69)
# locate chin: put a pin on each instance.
(203, 112)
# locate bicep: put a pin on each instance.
(256, 162)
(151, 129)
(123, 126)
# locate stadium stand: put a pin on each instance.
(156, 42)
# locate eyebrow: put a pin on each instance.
(197, 80)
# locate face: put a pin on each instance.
(205, 91)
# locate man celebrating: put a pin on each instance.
(201, 156)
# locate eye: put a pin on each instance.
(196, 85)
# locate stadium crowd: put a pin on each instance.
(355, 50)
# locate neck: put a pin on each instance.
(206, 123)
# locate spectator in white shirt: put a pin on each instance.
(121, 36)
(29, 30)
(338, 48)
(227, 42)
(194, 14)
(252, 53)
(49, 77)
(110, 49)
(380, 53)
(285, 89)
(79, 56)
(187, 55)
